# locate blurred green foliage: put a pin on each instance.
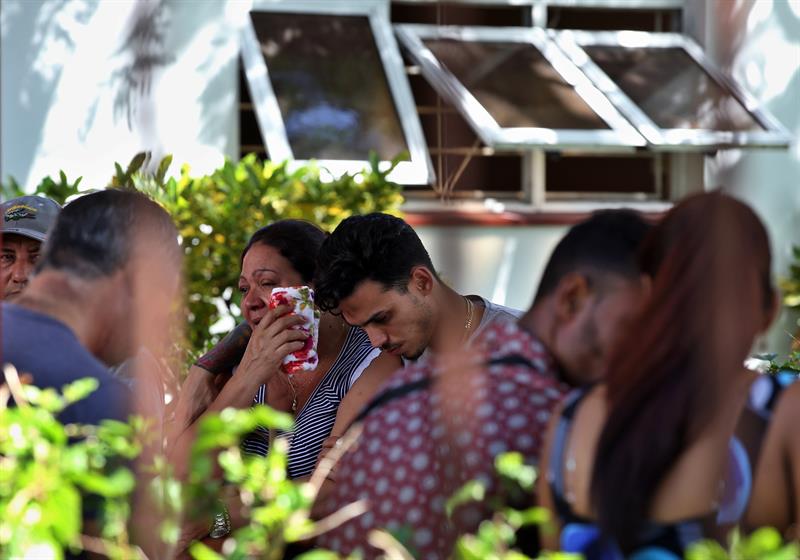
(48, 471)
(790, 288)
(790, 285)
(52, 475)
(496, 537)
(763, 544)
(59, 190)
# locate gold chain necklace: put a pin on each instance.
(294, 393)
(470, 312)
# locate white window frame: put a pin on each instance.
(675, 139)
(417, 171)
(620, 135)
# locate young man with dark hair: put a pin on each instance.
(25, 223)
(104, 286)
(375, 271)
(439, 425)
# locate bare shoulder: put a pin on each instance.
(364, 388)
(373, 377)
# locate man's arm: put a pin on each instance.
(359, 395)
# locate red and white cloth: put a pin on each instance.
(416, 451)
(301, 300)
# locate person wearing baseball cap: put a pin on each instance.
(25, 222)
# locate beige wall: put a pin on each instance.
(503, 264)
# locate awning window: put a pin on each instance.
(516, 88)
(665, 85)
(328, 83)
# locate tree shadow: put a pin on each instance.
(33, 31)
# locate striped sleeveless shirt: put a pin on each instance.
(315, 420)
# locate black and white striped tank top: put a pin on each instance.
(315, 420)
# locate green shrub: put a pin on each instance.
(764, 544)
(46, 474)
(46, 477)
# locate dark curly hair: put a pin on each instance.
(376, 247)
(297, 241)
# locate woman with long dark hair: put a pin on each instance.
(639, 463)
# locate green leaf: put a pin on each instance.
(119, 483)
(64, 503)
(199, 551)
(163, 166)
(511, 465)
(374, 161)
(318, 555)
(762, 541)
(136, 163)
(80, 389)
(473, 491)
(271, 418)
(120, 175)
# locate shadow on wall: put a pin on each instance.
(85, 84)
(758, 41)
(37, 39)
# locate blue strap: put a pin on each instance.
(555, 473)
(738, 484)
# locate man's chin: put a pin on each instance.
(415, 356)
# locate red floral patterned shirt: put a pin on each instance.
(417, 450)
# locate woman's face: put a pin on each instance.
(263, 268)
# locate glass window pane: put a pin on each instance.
(516, 84)
(672, 89)
(330, 84)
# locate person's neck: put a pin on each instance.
(66, 299)
(537, 322)
(332, 333)
(450, 330)
(540, 323)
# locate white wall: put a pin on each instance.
(503, 264)
(59, 64)
(758, 41)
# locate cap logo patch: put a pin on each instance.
(20, 212)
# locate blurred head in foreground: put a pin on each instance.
(590, 290)
(117, 250)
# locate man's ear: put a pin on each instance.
(571, 295)
(421, 281)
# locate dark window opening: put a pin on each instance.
(609, 19)
(643, 173)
